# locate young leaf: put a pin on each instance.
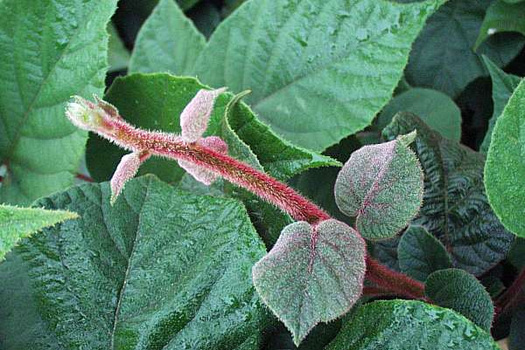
(312, 274)
(318, 71)
(460, 291)
(455, 209)
(503, 85)
(195, 116)
(167, 42)
(443, 56)
(382, 185)
(405, 324)
(50, 50)
(505, 168)
(17, 223)
(435, 108)
(502, 17)
(420, 253)
(158, 269)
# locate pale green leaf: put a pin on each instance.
(50, 50)
(118, 55)
(160, 269)
(502, 17)
(318, 71)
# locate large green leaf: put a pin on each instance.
(167, 42)
(410, 325)
(460, 291)
(455, 208)
(319, 70)
(159, 269)
(50, 50)
(443, 56)
(312, 274)
(505, 168)
(17, 223)
(420, 253)
(502, 17)
(503, 85)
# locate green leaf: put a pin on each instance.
(404, 324)
(312, 275)
(167, 42)
(460, 291)
(51, 49)
(382, 186)
(505, 168)
(516, 254)
(420, 253)
(455, 208)
(503, 85)
(516, 336)
(118, 55)
(435, 108)
(443, 56)
(159, 269)
(502, 17)
(319, 71)
(187, 4)
(17, 223)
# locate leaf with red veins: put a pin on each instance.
(126, 170)
(199, 173)
(196, 115)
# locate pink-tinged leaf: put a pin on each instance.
(312, 274)
(195, 116)
(126, 170)
(382, 185)
(200, 174)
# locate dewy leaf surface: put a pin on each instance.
(160, 269)
(455, 208)
(443, 57)
(49, 51)
(503, 85)
(505, 167)
(382, 186)
(312, 276)
(420, 253)
(409, 324)
(460, 291)
(17, 223)
(167, 42)
(318, 71)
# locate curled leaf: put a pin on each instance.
(126, 170)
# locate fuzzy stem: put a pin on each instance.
(83, 177)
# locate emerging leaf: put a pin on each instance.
(196, 115)
(382, 185)
(313, 274)
(126, 170)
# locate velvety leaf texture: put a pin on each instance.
(312, 276)
(460, 291)
(455, 208)
(410, 325)
(382, 185)
(502, 17)
(49, 50)
(17, 223)
(443, 57)
(505, 168)
(167, 42)
(318, 71)
(161, 269)
(503, 85)
(420, 253)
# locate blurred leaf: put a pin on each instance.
(517, 253)
(118, 55)
(443, 56)
(50, 50)
(409, 324)
(420, 253)
(160, 268)
(502, 17)
(455, 208)
(167, 42)
(460, 291)
(187, 4)
(206, 17)
(517, 325)
(319, 71)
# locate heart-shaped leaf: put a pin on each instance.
(382, 185)
(312, 274)
(455, 208)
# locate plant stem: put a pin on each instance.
(83, 177)
(511, 296)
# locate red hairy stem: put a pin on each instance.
(512, 296)
(373, 291)
(84, 177)
(394, 281)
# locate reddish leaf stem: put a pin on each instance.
(84, 177)
(512, 296)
